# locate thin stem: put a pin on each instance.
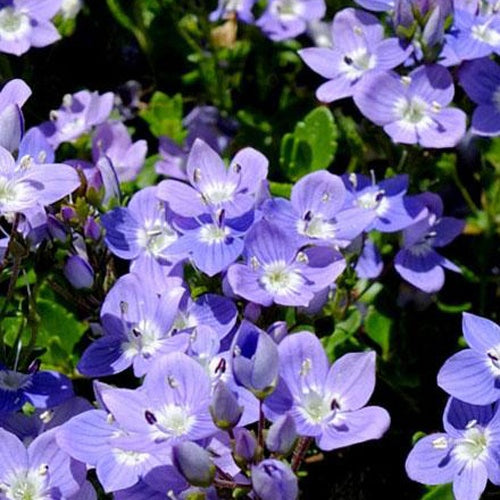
(262, 422)
(463, 191)
(300, 452)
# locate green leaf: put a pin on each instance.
(58, 332)
(281, 189)
(342, 332)
(378, 327)
(440, 492)
(311, 146)
(164, 116)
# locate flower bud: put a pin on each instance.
(274, 480)
(91, 229)
(282, 435)
(245, 446)
(194, 463)
(224, 409)
(255, 360)
(56, 228)
(79, 272)
(278, 331)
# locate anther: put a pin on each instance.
(221, 367)
(150, 417)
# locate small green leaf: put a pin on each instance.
(342, 332)
(311, 146)
(378, 327)
(440, 492)
(164, 115)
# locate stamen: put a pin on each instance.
(406, 80)
(43, 469)
(197, 175)
(34, 366)
(47, 416)
(471, 424)
(440, 443)
(326, 197)
(302, 258)
(254, 263)
(150, 417)
(172, 382)
(237, 168)
(221, 367)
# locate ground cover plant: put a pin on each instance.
(249, 249)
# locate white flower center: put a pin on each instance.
(74, 127)
(13, 381)
(279, 279)
(212, 233)
(175, 420)
(473, 445)
(315, 407)
(374, 200)
(13, 24)
(316, 227)
(9, 191)
(129, 458)
(156, 236)
(26, 485)
(484, 33)
(414, 111)
(357, 62)
(287, 10)
(144, 339)
(218, 192)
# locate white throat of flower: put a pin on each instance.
(414, 112)
(473, 445)
(485, 34)
(356, 63)
(155, 236)
(27, 485)
(278, 279)
(14, 24)
(315, 226)
(129, 458)
(218, 192)
(288, 10)
(144, 339)
(374, 200)
(212, 234)
(175, 421)
(10, 192)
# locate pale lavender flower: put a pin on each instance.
(136, 321)
(142, 232)
(417, 262)
(369, 264)
(40, 471)
(314, 213)
(467, 454)
(472, 36)
(212, 186)
(359, 48)
(473, 375)
(242, 9)
(393, 210)
(112, 139)
(26, 23)
(12, 97)
(284, 19)
(77, 115)
(171, 406)
(28, 184)
(276, 271)
(96, 439)
(415, 108)
(377, 5)
(481, 81)
(326, 403)
(79, 272)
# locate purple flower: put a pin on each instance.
(326, 402)
(276, 271)
(96, 439)
(142, 233)
(77, 115)
(473, 375)
(415, 108)
(314, 213)
(12, 96)
(136, 321)
(43, 389)
(473, 36)
(242, 9)
(387, 200)
(481, 80)
(417, 262)
(369, 264)
(41, 471)
(467, 454)
(79, 272)
(112, 139)
(359, 48)
(26, 23)
(284, 19)
(171, 406)
(29, 184)
(274, 480)
(214, 187)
